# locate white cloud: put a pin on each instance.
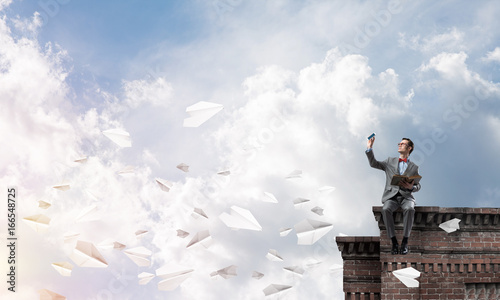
(140, 92)
(451, 41)
(493, 55)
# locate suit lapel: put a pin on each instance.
(410, 167)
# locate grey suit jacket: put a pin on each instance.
(390, 166)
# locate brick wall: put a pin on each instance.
(464, 264)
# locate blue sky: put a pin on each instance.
(302, 84)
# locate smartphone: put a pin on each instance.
(371, 135)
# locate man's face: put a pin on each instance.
(403, 147)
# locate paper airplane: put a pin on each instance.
(294, 174)
(119, 137)
(451, 225)
(127, 170)
(273, 255)
(226, 272)
(40, 223)
(183, 167)
(257, 275)
(198, 212)
(336, 267)
(299, 202)
(285, 231)
(62, 187)
(224, 173)
(145, 278)
(172, 275)
(139, 256)
(107, 244)
(407, 276)
(43, 204)
(327, 189)
(200, 113)
(86, 255)
(296, 270)
(317, 210)
(118, 246)
(63, 268)
(181, 233)
(70, 237)
(313, 263)
(240, 218)
(309, 231)
(50, 295)
(81, 159)
(275, 288)
(165, 185)
(88, 214)
(201, 239)
(139, 234)
(269, 198)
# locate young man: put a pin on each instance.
(395, 196)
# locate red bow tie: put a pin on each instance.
(402, 159)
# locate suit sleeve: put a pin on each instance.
(375, 163)
(416, 187)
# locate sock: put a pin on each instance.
(405, 240)
(394, 240)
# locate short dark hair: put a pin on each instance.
(410, 144)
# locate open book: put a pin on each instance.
(397, 178)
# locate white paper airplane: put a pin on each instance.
(226, 272)
(309, 231)
(275, 288)
(257, 275)
(145, 278)
(139, 234)
(127, 170)
(198, 212)
(285, 231)
(317, 210)
(201, 239)
(200, 113)
(62, 187)
(173, 275)
(165, 185)
(451, 225)
(296, 270)
(71, 237)
(118, 246)
(336, 267)
(183, 167)
(240, 218)
(40, 223)
(273, 255)
(294, 174)
(300, 202)
(139, 256)
(81, 159)
(313, 263)
(43, 204)
(181, 233)
(269, 198)
(50, 295)
(327, 189)
(224, 173)
(119, 137)
(407, 276)
(64, 268)
(86, 255)
(88, 214)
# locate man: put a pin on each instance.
(395, 196)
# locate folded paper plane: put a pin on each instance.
(181, 233)
(63, 268)
(200, 113)
(139, 256)
(257, 275)
(172, 276)
(300, 202)
(317, 210)
(86, 255)
(285, 231)
(145, 278)
(50, 295)
(226, 272)
(451, 225)
(139, 234)
(198, 212)
(309, 231)
(81, 159)
(165, 185)
(407, 276)
(201, 239)
(294, 174)
(88, 214)
(295, 270)
(326, 189)
(62, 187)
(336, 267)
(70, 237)
(240, 218)
(183, 167)
(275, 288)
(119, 137)
(43, 204)
(118, 246)
(40, 223)
(268, 197)
(224, 173)
(127, 170)
(273, 255)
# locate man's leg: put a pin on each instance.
(389, 207)
(408, 207)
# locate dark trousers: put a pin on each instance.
(408, 207)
